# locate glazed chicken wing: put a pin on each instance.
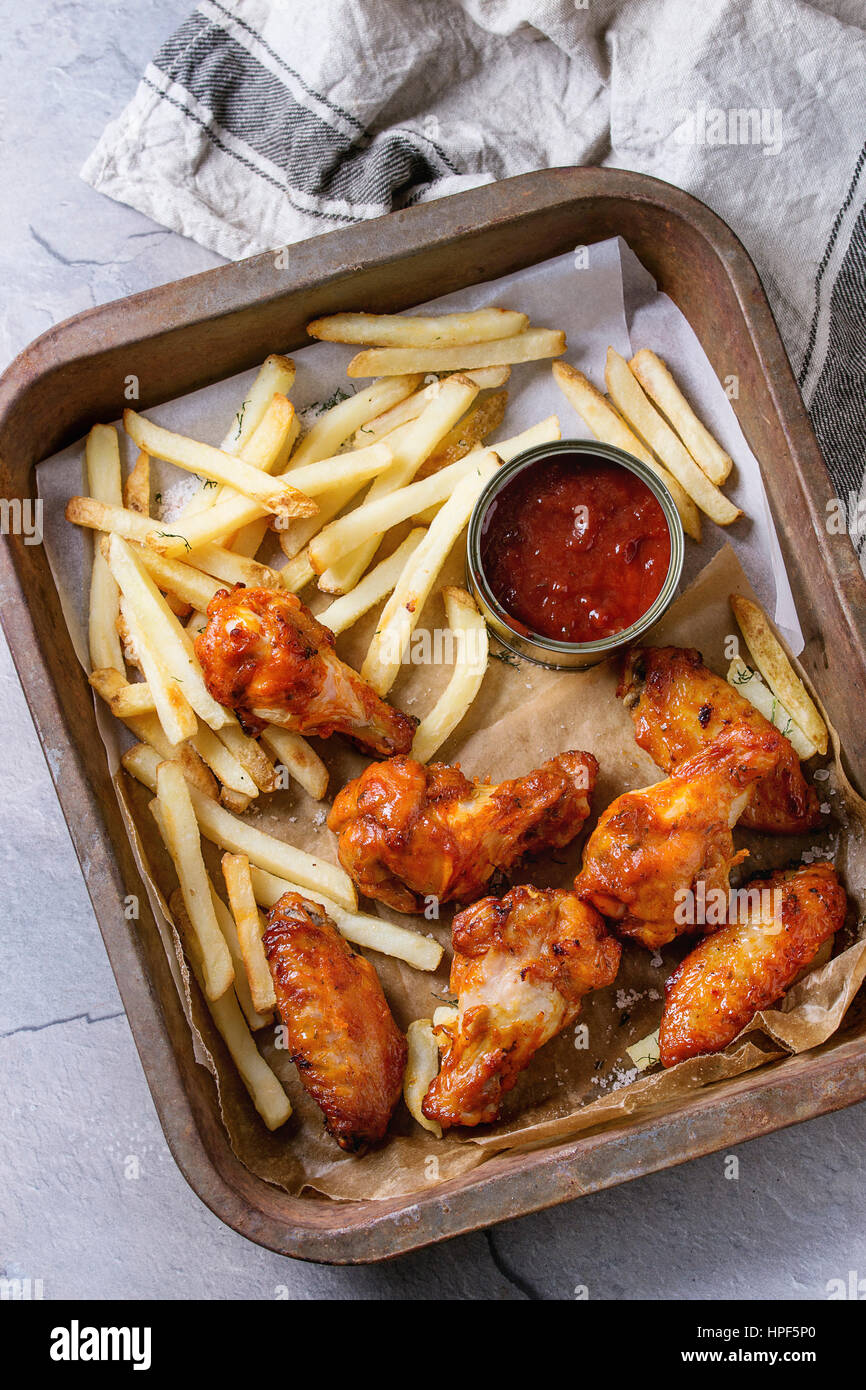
(650, 846)
(264, 655)
(349, 1052)
(521, 966)
(679, 707)
(407, 831)
(750, 963)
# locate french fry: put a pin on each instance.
(232, 568)
(475, 426)
(339, 423)
(276, 377)
(192, 585)
(255, 1020)
(336, 473)
(608, 426)
(164, 633)
(411, 445)
(656, 379)
(236, 872)
(178, 822)
(403, 609)
(142, 759)
(230, 772)
(416, 330)
(378, 515)
(749, 684)
(345, 611)
(265, 1090)
(628, 396)
(422, 1065)
(298, 758)
(251, 756)
(298, 572)
(175, 714)
(422, 952)
(470, 667)
(104, 516)
(444, 1017)
(777, 670)
(528, 346)
(226, 831)
(124, 700)
(136, 489)
(274, 494)
(102, 456)
(143, 722)
(485, 378)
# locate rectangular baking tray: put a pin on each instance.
(188, 334)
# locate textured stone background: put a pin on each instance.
(75, 1101)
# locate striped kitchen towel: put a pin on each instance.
(262, 122)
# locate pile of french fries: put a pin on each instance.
(405, 451)
(646, 414)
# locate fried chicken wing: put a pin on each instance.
(749, 964)
(679, 706)
(652, 846)
(521, 966)
(349, 1052)
(407, 831)
(265, 655)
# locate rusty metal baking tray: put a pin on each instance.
(196, 331)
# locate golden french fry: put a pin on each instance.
(414, 331)
(186, 582)
(403, 609)
(223, 763)
(175, 714)
(485, 378)
(265, 1090)
(608, 426)
(142, 759)
(378, 515)
(163, 631)
(339, 423)
(225, 830)
(275, 377)
(298, 758)
(750, 685)
(345, 611)
(251, 756)
(142, 721)
(422, 952)
(336, 473)
(136, 489)
(656, 379)
(411, 445)
(475, 426)
(104, 516)
(543, 433)
(274, 494)
(255, 1020)
(298, 572)
(528, 346)
(230, 567)
(123, 699)
(236, 872)
(102, 456)
(777, 670)
(628, 396)
(178, 822)
(470, 667)
(422, 1065)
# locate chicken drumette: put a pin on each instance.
(407, 831)
(679, 707)
(349, 1052)
(750, 963)
(264, 655)
(653, 848)
(521, 966)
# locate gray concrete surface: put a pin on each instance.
(91, 1202)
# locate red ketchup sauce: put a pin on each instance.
(575, 548)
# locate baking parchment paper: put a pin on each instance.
(523, 715)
